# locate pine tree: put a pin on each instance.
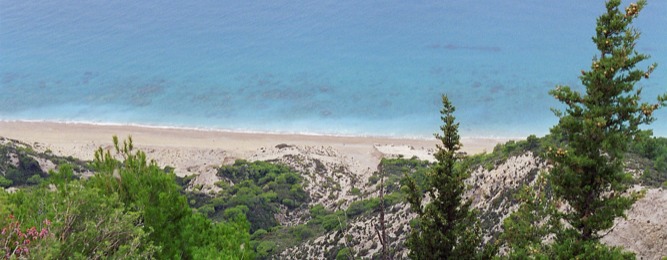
(526, 228)
(446, 228)
(596, 129)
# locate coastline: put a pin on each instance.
(196, 151)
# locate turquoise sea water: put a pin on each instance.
(326, 67)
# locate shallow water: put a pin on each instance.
(328, 67)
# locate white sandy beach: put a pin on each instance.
(199, 151)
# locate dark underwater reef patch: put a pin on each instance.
(456, 47)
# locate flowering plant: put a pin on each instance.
(14, 241)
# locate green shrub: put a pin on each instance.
(317, 212)
(262, 187)
(4, 182)
(34, 180)
(302, 232)
(344, 254)
(207, 210)
(265, 248)
(660, 162)
(290, 203)
(26, 168)
(258, 234)
(393, 198)
(356, 208)
(335, 221)
(373, 179)
(164, 212)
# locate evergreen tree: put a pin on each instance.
(446, 228)
(532, 223)
(596, 129)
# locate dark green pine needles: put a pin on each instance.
(445, 228)
(596, 128)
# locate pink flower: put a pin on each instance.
(43, 233)
(32, 232)
(47, 222)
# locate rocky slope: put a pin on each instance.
(644, 231)
(336, 180)
(491, 190)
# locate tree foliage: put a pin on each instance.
(130, 209)
(596, 130)
(77, 222)
(263, 188)
(446, 228)
(525, 230)
(164, 212)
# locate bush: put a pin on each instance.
(258, 234)
(290, 203)
(19, 174)
(660, 163)
(335, 221)
(156, 199)
(18, 243)
(262, 187)
(5, 183)
(302, 232)
(35, 179)
(317, 212)
(373, 179)
(265, 248)
(86, 222)
(393, 198)
(344, 254)
(206, 210)
(356, 208)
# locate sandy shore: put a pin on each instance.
(197, 151)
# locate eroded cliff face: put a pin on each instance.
(644, 231)
(490, 190)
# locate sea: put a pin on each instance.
(359, 68)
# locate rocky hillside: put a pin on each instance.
(320, 203)
(494, 181)
(491, 192)
(351, 196)
(24, 164)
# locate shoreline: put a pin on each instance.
(198, 151)
(33, 130)
(260, 132)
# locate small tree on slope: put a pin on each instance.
(596, 128)
(446, 228)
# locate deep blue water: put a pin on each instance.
(329, 67)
